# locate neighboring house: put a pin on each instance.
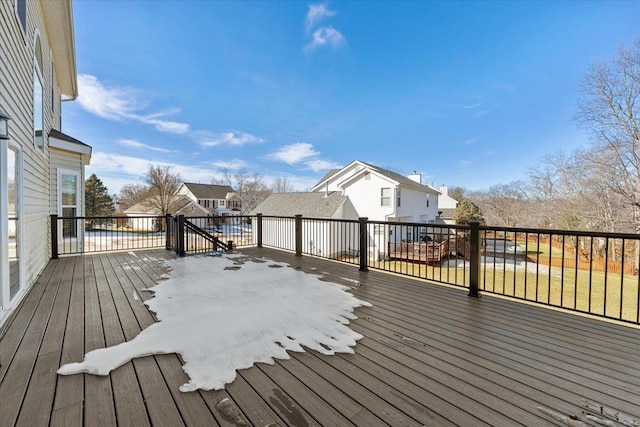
(382, 195)
(372, 192)
(180, 205)
(216, 199)
(41, 168)
(446, 207)
(319, 237)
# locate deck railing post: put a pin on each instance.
(259, 229)
(362, 243)
(180, 236)
(298, 230)
(54, 236)
(474, 259)
(167, 231)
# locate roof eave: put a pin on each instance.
(58, 17)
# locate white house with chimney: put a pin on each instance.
(382, 195)
(377, 194)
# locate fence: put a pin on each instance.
(77, 235)
(595, 273)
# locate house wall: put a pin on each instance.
(413, 206)
(365, 197)
(444, 200)
(16, 99)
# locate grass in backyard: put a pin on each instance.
(611, 295)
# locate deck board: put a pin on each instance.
(430, 356)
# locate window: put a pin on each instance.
(21, 10)
(398, 196)
(68, 201)
(427, 200)
(38, 101)
(385, 197)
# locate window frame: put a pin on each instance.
(38, 77)
(77, 205)
(385, 201)
(23, 19)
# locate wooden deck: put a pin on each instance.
(430, 356)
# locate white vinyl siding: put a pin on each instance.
(16, 99)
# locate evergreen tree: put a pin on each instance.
(466, 212)
(98, 202)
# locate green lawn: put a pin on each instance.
(580, 291)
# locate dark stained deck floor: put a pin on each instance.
(430, 356)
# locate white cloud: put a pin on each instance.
(235, 138)
(469, 107)
(169, 126)
(322, 165)
(294, 153)
(131, 143)
(118, 103)
(202, 294)
(234, 164)
(110, 164)
(465, 163)
(316, 13)
(325, 36)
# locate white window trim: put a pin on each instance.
(78, 204)
(38, 72)
(5, 291)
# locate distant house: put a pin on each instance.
(382, 195)
(215, 199)
(141, 212)
(41, 168)
(318, 237)
(446, 207)
(376, 193)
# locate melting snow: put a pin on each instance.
(223, 320)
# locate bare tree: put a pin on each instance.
(504, 204)
(610, 110)
(163, 185)
(248, 186)
(130, 194)
(282, 185)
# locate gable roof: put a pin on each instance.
(313, 205)
(400, 179)
(329, 175)
(209, 191)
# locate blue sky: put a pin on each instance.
(469, 94)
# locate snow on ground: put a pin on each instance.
(226, 313)
(508, 264)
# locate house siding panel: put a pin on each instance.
(16, 99)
